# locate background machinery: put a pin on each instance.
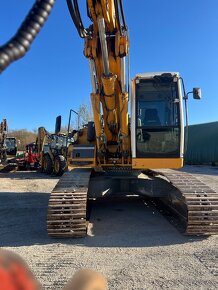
(3, 136)
(29, 159)
(126, 153)
(11, 145)
(52, 150)
(8, 148)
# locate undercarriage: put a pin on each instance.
(194, 203)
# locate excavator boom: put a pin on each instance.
(107, 46)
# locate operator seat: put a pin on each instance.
(151, 118)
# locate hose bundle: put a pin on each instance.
(20, 43)
(73, 8)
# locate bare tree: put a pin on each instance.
(23, 137)
(85, 114)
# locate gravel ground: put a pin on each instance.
(131, 243)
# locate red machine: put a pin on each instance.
(29, 159)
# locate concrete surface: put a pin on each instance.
(130, 242)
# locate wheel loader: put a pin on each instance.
(51, 151)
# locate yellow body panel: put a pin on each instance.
(153, 163)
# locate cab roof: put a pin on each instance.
(152, 74)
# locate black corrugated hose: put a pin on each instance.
(20, 43)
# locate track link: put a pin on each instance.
(199, 203)
(68, 205)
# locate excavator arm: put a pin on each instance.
(3, 136)
(106, 46)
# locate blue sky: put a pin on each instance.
(169, 35)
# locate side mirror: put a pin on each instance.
(58, 125)
(197, 93)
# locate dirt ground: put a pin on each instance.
(131, 243)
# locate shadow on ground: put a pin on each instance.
(22, 175)
(201, 169)
(124, 223)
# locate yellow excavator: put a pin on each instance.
(129, 153)
(124, 153)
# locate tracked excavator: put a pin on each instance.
(138, 152)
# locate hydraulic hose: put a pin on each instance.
(20, 43)
(73, 8)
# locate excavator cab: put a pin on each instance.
(157, 121)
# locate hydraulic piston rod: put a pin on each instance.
(103, 40)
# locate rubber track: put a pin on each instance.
(200, 201)
(68, 203)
